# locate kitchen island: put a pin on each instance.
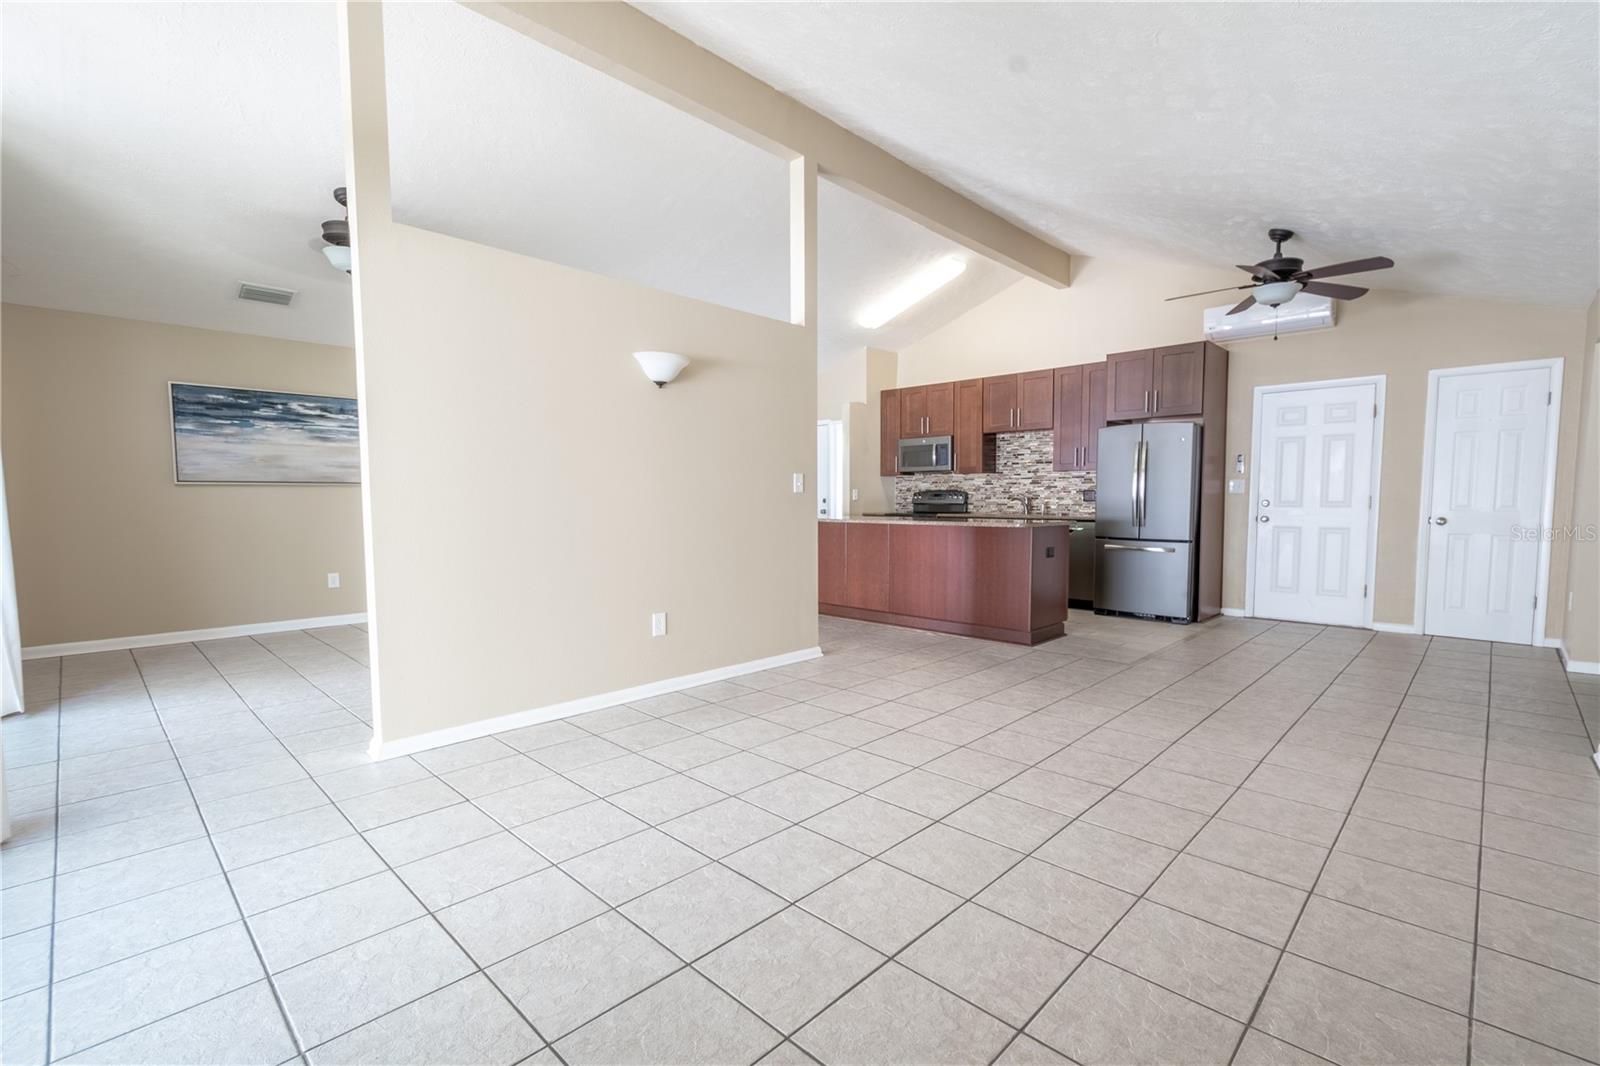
(995, 578)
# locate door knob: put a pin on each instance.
(1262, 518)
(1441, 521)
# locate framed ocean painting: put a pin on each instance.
(223, 435)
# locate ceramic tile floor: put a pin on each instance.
(1243, 841)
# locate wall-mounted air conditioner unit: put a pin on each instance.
(1304, 312)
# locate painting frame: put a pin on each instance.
(323, 399)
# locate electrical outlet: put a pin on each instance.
(658, 624)
(799, 483)
(333, 581)
(855, 494)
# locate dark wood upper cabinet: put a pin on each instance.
(1036, 399)
(1094, 395)
(1177, 379)
(1069, 418)
(1080, 415)
(1129, 381)
(928, 410)
(1000, 404)
(1013, 402)
(889, 433)
(974, 451)
(941, 408)
(913, 412)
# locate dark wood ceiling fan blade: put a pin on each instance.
(1243, 305)
(1355, 266)
(1338, 292)
(1259, 271)
(1208, 292)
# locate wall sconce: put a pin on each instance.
(661, 367)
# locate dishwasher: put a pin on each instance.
(1080, 565)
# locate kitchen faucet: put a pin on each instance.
(1026, 501)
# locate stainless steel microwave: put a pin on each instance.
(922, 455)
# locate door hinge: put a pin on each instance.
(1363, 592)
(1536, 603)
(1374, 410)
(1549, 397)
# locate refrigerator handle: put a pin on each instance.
(1133, 489)
(1140, 466)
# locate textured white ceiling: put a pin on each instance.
(157, 154)
(1459, 139)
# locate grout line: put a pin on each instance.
(789, 770)
(233, 895)
(426, 915)
(1262, 995)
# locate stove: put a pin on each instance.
(939, 501)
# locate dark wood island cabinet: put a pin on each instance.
(999, 580)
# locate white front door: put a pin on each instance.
(1484, 502)
(1313, 503)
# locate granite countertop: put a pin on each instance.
(918, 520)
(982, 516)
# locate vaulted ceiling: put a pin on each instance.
(1459, 139)
(156, 155)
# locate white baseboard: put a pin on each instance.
(1576, 666)
(1233, 612)
(188, 636)
(1396, 627)
(534, 716)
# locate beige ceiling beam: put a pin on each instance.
(627, 44)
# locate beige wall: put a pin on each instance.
(106, 545)
(851, 389)
(533, 498)
(1581, 637)
(1118, 306)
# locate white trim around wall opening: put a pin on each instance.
(1541, 581)
(1380, 383)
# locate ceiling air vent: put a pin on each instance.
(266, 294)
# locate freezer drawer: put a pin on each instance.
(1144, 577)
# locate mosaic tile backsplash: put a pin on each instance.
(1022, 467)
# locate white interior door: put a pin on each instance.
(1313, 504)
(1485, 502)
(824, 468)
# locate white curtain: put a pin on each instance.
(10, 647)
(10, 633)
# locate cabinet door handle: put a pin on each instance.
(1158, 399)
(1146, 401)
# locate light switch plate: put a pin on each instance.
(799, 483)
(658, 624)
(333, 581)
(1236, 486)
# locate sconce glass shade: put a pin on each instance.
(338, 256)
(1276, 292)
(661, 367)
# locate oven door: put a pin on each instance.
(919, 455)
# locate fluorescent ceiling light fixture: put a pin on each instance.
(918, 287)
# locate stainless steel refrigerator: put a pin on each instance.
(1146, 517)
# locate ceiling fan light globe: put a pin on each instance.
(1276, 292)
(338, 256)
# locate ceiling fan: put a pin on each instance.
(1281, 278)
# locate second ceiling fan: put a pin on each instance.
(1283, 277)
